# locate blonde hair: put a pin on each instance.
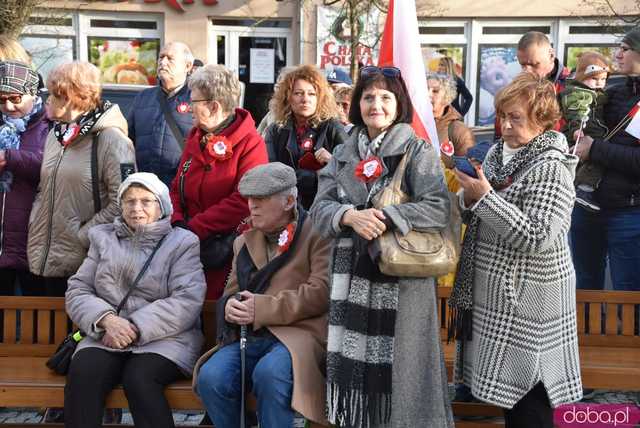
(217, 83)
(11, 50)
(326, 107)
(537, 94)
(77, 81)
(447, 85)
(343, 92)
(449, 65)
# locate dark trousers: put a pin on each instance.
(95, 372)
(10, 279)
(532, 411)
(52, 286)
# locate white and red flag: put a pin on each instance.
(633, 127)
(400, 47)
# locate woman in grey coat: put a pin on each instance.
(384, 359)
(156, 337)
(514, 295)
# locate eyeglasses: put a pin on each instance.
(393, 72)
(132, 203)
(14, 98)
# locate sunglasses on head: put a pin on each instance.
(392, 72)
(14, 98)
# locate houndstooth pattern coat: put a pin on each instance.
(524, 310)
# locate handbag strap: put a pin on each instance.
(137, 280)
(396, 180)
(95, 184)
(168, 117)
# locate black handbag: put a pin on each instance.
(60, 361)
(216, 250)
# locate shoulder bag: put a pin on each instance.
(423, 254)
(60, 361)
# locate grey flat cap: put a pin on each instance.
(266, 180)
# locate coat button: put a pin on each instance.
(207, 167)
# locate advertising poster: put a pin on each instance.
(334, 38)
(48, 52)
(498, 66)
(131, 62)
(432, 54)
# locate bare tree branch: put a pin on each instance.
(14, 15)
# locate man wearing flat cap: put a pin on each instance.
(280, 271)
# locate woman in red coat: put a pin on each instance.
(220, 148)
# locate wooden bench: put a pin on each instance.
(609, 345)
(33, 326)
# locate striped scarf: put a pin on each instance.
(360, 346)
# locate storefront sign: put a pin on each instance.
(178, 5)
(335, 36)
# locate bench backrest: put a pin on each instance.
(605, 318)
(35, 326)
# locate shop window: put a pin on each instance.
(573, 51)
(497, 66)
(48, 51)
(515, 30)
(441, 30)
(432, 54)
(125, 61)
(108, 23)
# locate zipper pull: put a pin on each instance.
(186, 166)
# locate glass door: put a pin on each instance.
(256, 55)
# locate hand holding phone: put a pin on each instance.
(463, 164)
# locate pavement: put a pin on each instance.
(193, 418)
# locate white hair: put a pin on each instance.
(186, 51)
(284, 194)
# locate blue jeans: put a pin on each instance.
(612, 234)
(268, 372)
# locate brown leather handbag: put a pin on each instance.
(422, 254)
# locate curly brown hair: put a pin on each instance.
(326, 107)
(538, 95)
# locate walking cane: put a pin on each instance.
(243, 356)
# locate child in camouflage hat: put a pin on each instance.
(582, 104)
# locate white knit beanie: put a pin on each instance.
(153, 184)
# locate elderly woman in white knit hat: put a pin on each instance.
(137, 297)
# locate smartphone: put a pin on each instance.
(463, 164)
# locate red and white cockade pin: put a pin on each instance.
(285, 238)
(307, 144)
(369, 169)
(219, 147)
(447, 148)
(183, 107)
(70, 134)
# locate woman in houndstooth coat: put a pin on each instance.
(514, 296)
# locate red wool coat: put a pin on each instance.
(213, 202)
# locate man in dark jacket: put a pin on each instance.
(536, 55)
(160, 117)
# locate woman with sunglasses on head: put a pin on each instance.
(384, 361)
(86, 156)
(307, 128)
(222, 145)
(23, 131)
